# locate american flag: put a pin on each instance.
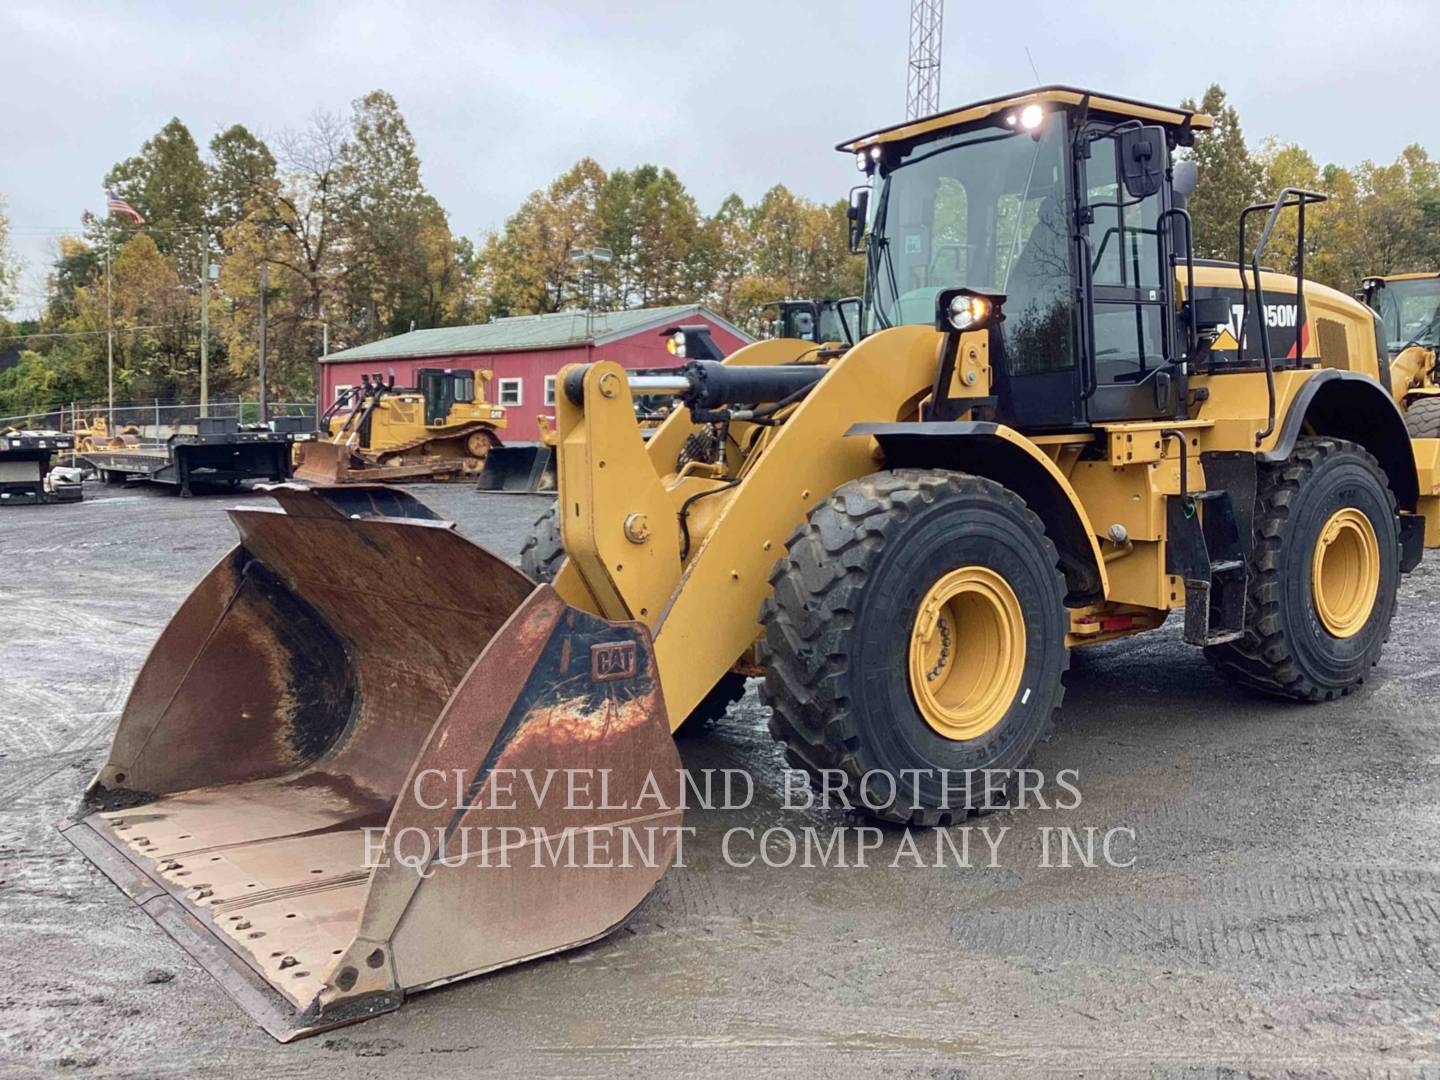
(117, 205)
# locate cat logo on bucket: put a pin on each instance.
(612, 662)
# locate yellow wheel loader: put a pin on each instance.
(335, 779)
(443, 429)
(1409, 309)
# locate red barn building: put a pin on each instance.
(525, 352)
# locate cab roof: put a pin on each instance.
(1106, 104)
(1405, 277)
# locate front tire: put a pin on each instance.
(859, 613)
(541, 559)
(1324, 571)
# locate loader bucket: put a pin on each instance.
(340, 776)
(322, 462)
(519, 469)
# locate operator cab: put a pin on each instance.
(1061, 208)
(828, 319)
(1409, 310)
(443, 389)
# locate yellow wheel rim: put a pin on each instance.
(967, 652)
(1345, 572)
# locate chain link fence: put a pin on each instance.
(157, 419)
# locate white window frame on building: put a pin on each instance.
(550, 391)
(503, 388)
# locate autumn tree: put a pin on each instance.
(653, 228)
(241, 169)
(169, 185)
(9, 270)
(292, 228)
(402, 265)
(1230, 178)
(528, 268)
(784, 246)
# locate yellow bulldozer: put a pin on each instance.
(441, 429)
(93, 433)
(345, 771)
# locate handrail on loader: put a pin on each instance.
(1299, 198)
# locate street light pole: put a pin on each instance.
(590, 256)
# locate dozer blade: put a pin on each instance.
(323, 463)
(351, 684)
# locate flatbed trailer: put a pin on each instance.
(220, 453)
(25, 463)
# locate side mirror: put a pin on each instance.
(1185, 179)
(1142, 161)
(1209, 312)
(1207, 317)
(858, 213)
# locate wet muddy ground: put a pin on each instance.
(1281, 916)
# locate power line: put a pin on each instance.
(88, 333)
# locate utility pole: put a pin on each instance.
(264, 295)
(320, 369)
(205, 329)
(922, 83)
(109, 346)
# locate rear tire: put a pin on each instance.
(544, 550)
(1422, 418)
(845, 620)
(1294, 646)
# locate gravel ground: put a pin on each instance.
(1282, 916)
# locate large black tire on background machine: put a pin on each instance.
(1291, 648)
(1422, 418)
(541, 557)
(838, 648)
(544, 550)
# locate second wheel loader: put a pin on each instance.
(1409, 309)
(1055, 428)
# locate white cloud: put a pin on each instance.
(733, 96)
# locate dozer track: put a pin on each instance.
(350, 685)
(464, 431)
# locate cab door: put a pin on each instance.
(435, 388)
(1132, 337)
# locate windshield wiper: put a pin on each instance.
(879, 244)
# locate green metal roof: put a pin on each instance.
(518, 332)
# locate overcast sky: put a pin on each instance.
(734, 95)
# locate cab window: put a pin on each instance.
(1125, 270)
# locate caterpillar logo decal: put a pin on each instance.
(612, 661)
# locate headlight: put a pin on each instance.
(676, 345)
(1030, 117)
(967, 310)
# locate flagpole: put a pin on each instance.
(109, 344)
